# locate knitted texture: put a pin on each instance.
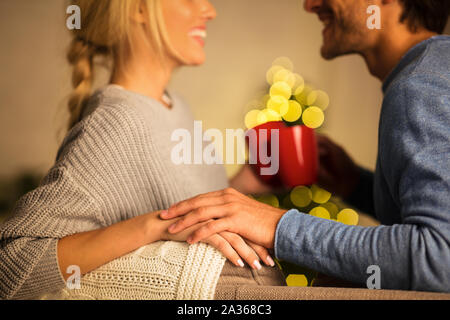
(112, 166)
(155, 272)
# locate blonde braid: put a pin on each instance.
(80, 56)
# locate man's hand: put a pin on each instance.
(337, 172)
(234, 212)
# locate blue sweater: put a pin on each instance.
(409, 192)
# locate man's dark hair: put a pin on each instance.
(429, 14)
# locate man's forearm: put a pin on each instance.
(409, 257)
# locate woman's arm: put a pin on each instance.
(90, 250)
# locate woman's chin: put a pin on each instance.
(197, 61)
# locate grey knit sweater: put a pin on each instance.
(112, 166)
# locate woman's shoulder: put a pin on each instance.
(110, 119)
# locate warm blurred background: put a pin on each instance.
(242, 43)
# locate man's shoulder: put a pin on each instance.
(425, 68)
(435, 58)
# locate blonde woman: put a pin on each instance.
(98, 208)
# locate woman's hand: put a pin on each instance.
(231, 245)
(234, 212)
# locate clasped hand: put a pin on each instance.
(230, 221)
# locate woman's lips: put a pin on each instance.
(199, 34)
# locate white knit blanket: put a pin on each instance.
(154, 272)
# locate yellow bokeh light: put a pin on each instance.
(261, 118)
(319, 99)
(313, 117)
(284, 62)
(279, 104)
(281, 88)
(285, 76)
(320, 195)
(270, 199)
(332, 208)
(271, 115)
(271, 73)
(297, 280)
(251, 119)
(320, 212)
(299, 84)
(348, 216)
(302, 95)
(294, 113)
(301, 196)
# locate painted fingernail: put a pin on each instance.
(271, 262)
(257, 265)
(240, 263)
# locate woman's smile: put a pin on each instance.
(199, 34)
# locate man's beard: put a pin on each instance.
(345, 39)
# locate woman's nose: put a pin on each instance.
(312, 5)
(208, 10)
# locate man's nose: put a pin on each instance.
(312, 5)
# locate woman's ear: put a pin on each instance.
(140, 15)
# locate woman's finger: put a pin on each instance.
(225, 248)
(243, 249)
(262, 252)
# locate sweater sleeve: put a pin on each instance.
(92, 185)
(413, 255)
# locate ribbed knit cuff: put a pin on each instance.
(201, 273)
(46, 276)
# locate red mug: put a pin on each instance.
(298, 159)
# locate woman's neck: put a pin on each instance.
(147, 75)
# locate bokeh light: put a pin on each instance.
(297, 280)
(313, 117)
(279, 104)
(284, 62)
(251, 119)
(319, 99)
(332, 209)
(320, 212)
(301, 196)
(285, 76)
(348, 216)
(268, 115)
(302, 95)
(294, 113)
(320, 195)
(271, 73)
(270, 199)
(282, 89)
